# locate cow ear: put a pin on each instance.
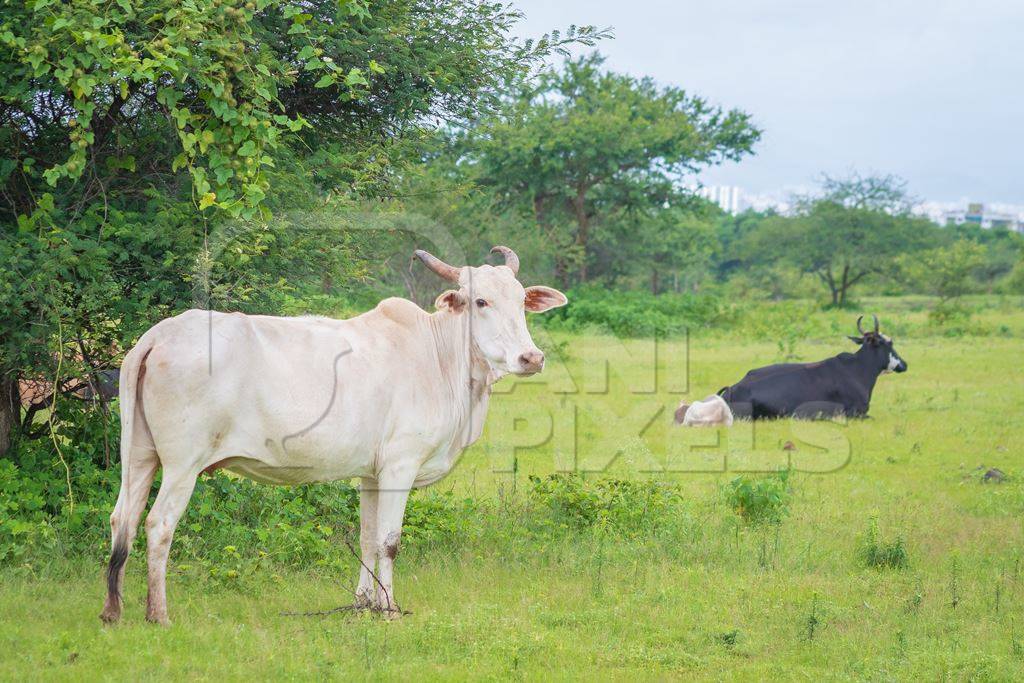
(540, 299)
(857, 340)
(451, 300)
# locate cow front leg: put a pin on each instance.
(392, 495)
(366, 591)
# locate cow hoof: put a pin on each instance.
(392, 614)
(159, 620)
(110, 616)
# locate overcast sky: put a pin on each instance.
(930, 90)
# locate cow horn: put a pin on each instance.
(876, 322)
(511, 260)
(447, 272)
(859, 328)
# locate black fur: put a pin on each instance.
(118, 556)
(841, 385)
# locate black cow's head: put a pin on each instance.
(878, 347)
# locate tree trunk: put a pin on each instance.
(561, 271)
(579, 205)
(826, 277)
(844, 285)
(10, 409)
(654, 281)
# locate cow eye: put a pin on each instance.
(481, 303)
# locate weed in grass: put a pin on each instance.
(901, 643)
(768, 550)
(954, 583)
(913, 603)
(598, 586)
(729, 638)
(881, 553)
(813, 622)
(761, 500)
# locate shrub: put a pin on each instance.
(568, 501)
(636, 314)
(762, 500)
(435, 518)
(230, 526)
(881, 553)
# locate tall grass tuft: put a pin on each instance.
(881, 553)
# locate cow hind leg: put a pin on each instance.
(175, 492)
(366, 591)
(124, 525)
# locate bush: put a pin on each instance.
(636, 314)
(230, 526)
(570, 502)
(881, 553)
(763, 500)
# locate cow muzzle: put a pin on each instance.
(530, 362)
(896, 364)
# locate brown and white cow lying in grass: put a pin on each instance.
(392, 396)
(710, 412)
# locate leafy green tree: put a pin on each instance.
(946, 272)
(580, 145)
(854, 231)
(1014, 282)
(670, 249)
(1003, 249)
(733, 231)
(146, 146)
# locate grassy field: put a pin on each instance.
(714, 599)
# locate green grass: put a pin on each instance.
(710, 598)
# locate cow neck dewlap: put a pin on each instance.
(461, 361)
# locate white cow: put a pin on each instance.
(712, 411)
(392, 396)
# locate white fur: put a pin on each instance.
(894, 362)
(712, 411)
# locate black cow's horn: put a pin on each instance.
(511, 260)
(447, 272)
(876, 322)
(859, 328)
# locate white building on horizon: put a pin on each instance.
(988, 216)
(733, 200)
(726, 196)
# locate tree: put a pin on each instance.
(946, 272)
(733, 231)
(668, 248)
(133, 132)
(580, 145)
(855, 231)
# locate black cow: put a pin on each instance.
(840, 385)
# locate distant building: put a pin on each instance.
(726, 196)
(734, 200)
(980, 215)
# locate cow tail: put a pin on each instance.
(132, 371)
